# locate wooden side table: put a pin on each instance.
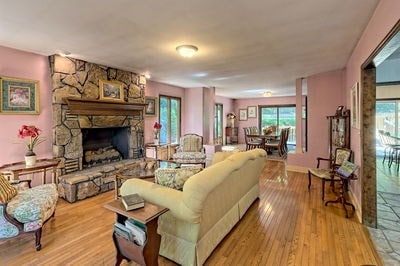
(15, 170)
(148, 215)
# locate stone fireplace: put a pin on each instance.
(93, 137)
(76, 98)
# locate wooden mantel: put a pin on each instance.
(80, 106)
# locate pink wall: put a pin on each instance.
(385, 17)
(154, 89)
(244, 103)
(227, 108)
(325, 94)
(193, 111)
(19, 64)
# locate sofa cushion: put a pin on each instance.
(175, 177)
(220, 156)
(7, 192)
(33, 204)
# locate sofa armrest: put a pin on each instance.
(164, 196)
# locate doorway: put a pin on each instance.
(369, 196)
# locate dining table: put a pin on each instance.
(264, 137)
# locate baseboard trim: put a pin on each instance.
(356, 204)
(296, 168)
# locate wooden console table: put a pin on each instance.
(14, 170)
(148, 215)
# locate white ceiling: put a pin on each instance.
(245, 47)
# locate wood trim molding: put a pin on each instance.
(79, 106)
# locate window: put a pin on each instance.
(218, 124)
(281, 116)
(387, 116)
(170, 119)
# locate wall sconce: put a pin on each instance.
(267, 93)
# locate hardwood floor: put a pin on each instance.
(288, 226)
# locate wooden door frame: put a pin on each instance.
(368, 131)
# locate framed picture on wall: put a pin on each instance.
(242, 114)
(355, 106)
(252, 111)
(111, 90)
(19, 96)
(151, 106)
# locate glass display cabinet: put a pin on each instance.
(339, 132)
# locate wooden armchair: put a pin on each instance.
(328, 174)
(190, 149)
(25, 211)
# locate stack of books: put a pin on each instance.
(132, 230)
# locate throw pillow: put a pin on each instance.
(174, 178)
(7, 192)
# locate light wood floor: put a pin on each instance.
(288, 226)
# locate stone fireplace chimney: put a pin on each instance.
(77, 107)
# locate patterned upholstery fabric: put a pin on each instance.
(322, 173)
(190, 143)
(7, 192)
(175, 178)
(189, 155)
(342, 155)
(34, 206)
(7, 229)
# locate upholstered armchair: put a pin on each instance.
(328, 174)
(190, 150)
(25, 211)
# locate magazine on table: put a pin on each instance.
(347, 169)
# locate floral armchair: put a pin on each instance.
(190, 150)
(25, 211)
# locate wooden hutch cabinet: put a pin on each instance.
(231, 135)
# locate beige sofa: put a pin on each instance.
(211, 203)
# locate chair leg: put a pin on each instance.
(38, 235)
(309, 180)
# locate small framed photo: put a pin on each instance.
(252, 111)
(242, 114)
(355, 106)
(151, 106)
(111, 90)
(19, 96)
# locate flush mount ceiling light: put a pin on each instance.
(63, 53)
(267, 93)
(187, 50)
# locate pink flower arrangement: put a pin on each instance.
(33, 133)
(157, 127)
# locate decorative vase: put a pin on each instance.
(30, 158)
(156, 141)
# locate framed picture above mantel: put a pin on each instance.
(19, 96)
(111, 90)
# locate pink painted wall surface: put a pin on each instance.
(19, 64)
(385, 17)
(155, 89)
(244, 103)
(325, 93)
(193, 110)
(228, 107)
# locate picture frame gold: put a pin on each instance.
(111, 90)
(252, 111)
(355, 106)
(242, 114)
(151, 106)
(19, 96)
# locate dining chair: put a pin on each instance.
(251, 143)
(280, 144)
(328, 174)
